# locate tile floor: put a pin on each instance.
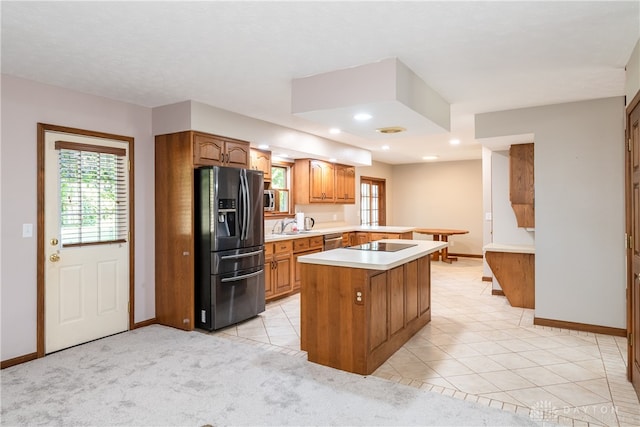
(479, 348)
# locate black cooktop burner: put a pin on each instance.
(382, 246)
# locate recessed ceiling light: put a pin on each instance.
(283, 155)
(361, 117)
(385, 147)
(334, 131)
(429, 157)
(454, 141)
(333, 160)
(263, 146)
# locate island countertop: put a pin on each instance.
(374, 260)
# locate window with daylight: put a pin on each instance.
(372, 201)
(93, 194)
(281, 183)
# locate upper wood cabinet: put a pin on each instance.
(317, 181)
(345, 184)
(213, 150)
(261, 161)
(521, 184)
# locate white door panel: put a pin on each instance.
(86, 286)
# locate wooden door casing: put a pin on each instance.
(633, 229)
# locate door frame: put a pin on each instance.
(635, 103)
(40, 305)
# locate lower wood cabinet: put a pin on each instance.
(302, 247)
(355, 319)
(277, 268)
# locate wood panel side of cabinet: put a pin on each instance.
(333, 324)
(522, 183)
(412, 302)
(396, 299)
(174, 242)
(424, 287)
(301, 173)
(515, 273)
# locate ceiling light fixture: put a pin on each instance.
(454, 141)
(391, 129)
(362, 117)
(263, 146)
(385, 147)
(333, 160)
(430, 158)
(334, 131)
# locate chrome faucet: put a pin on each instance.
(283, 224)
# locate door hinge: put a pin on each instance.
(630, 240)
(128, 165)
(129, 307)
(630, 339)
(629, 144)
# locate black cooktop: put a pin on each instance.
(382, 246)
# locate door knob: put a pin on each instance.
(54, 258)
(54, 242)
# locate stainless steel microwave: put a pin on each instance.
(269, 200)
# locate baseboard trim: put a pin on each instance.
(144, 323)
(498, 292)
(18, 360)
(487, 279)
(465, 255)
(584, 327)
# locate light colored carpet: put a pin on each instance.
(162, 376)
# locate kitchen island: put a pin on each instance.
(359, 305)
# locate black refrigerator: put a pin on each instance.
(229, 230)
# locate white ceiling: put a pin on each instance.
(242, 56)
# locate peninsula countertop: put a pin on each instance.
(374, 260)
(344, 229)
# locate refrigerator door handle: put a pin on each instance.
(247, 205)
(240, 255)
(245, 200)
(244, 276)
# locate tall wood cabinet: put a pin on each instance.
(522, 184)
(176, 156)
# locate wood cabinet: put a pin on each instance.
(521, 184)
(174, 241)
(305, 246)
(176, 156)
(366, 237)
(261, 161)
(278, 259)
(361, 238)
(323, 182)
(516, 275)
(345, 184)
(347, 239)
(354, 319)
(213, 150)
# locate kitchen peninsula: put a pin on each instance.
(359, 305)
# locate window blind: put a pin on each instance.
(93, 194)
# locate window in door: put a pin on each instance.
(372, 201)
(93, 194)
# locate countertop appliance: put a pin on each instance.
(229, 230)
(309, 223)
(269, 200)
(332, 241)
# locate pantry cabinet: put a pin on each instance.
(521, 184)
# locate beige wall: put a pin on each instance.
(441, 195)
(632, 77)
(24, 104)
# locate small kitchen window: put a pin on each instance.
(282, 184)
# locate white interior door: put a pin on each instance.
(86, 239)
